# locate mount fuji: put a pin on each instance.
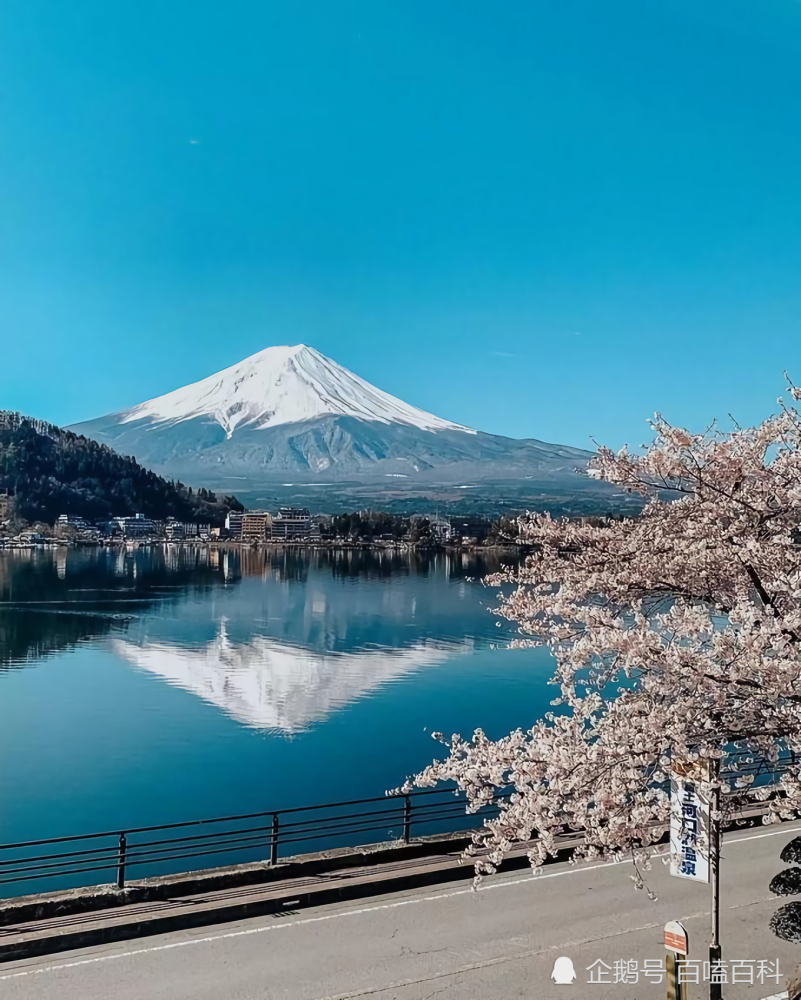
(292, 411)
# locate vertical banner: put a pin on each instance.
(689, 823)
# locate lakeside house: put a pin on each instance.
(292, 522)
(31, 538)
(233, 525)
(137, 526)
(175, 530)
(470, 527)
(441, 529)
(71, 522)
(256, 527)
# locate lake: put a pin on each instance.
(159, 685)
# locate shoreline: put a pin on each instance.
(226, 543)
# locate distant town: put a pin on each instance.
(259, 527)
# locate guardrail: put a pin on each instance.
(251, 837)
(266, 836)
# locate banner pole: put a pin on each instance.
(715, 991)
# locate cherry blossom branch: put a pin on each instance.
(674, 634)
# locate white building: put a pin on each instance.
(137, 526)
(292, 522)
(233, 524)
(441, 529)
(175, 530)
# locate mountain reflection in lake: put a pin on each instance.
(179, 681)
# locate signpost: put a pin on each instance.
(695, 841)
(676, 939)
(677, 943)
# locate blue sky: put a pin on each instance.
(540, 219)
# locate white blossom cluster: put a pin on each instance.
(676, 634)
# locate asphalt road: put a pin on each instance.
(450, 943)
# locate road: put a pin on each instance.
(448, 943)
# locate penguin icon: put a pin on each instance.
(563, 972)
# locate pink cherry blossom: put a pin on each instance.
(676, 636)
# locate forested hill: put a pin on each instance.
(51, 471)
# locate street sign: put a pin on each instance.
(689, 823)
(676, 938)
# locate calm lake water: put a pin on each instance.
(155, 686)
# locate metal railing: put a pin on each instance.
(265, 837)
(251, 837)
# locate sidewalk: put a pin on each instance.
(41, 925)
(26, 936)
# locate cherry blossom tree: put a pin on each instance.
(676, 636)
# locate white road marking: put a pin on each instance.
(348, 913)
(306, 920)
(760, 836)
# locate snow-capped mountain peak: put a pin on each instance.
(289, 414)
(284, 385)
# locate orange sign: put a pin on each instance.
(676, 937)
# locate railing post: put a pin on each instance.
(407, 820)
(123, 850)
(274, 841)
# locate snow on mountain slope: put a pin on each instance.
(284, 385)
(291, 412)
